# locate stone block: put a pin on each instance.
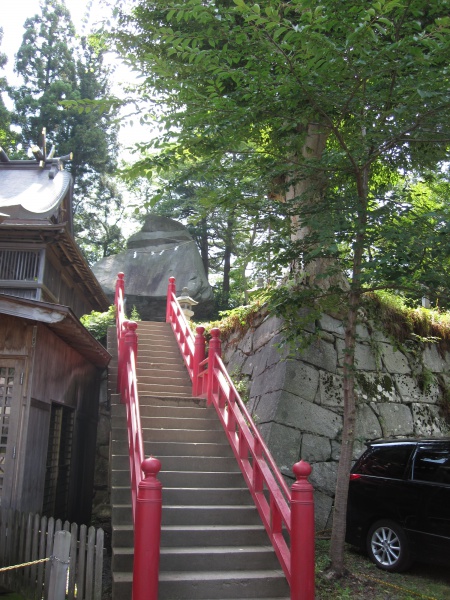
(335, 450)
(270, 380)
(332, 325)
(284, 444)
(264, 408)
(433, 360)
(266, 331)
(323, 508)
(276, 351)
(395, 419)
(367, 425)
(362, 333)
(407, 388)
(323, 477)
(301, 380)
(393, 360)
(364, 356)
(427, 420)
(246, 344)
(330, 390)
(315, 448)
(320, 354)
(376, 387)
(235, 362)
(307, 416)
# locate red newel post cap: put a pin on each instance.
(302, 470)
(151, 467)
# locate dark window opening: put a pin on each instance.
(59, 456)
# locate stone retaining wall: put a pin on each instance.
(297, 403)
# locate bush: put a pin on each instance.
(97, 323)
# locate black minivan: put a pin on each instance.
(399, 502)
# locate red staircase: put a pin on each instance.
(212, 542)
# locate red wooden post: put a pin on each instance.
(147, 532)
(171, 289)
(131, 338)
(120, 286)
(129, 342)
(302, 534)
(199, 356)
(215, 347)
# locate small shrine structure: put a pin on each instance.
(50, 365)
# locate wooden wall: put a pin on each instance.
(53, 373)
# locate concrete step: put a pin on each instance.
(174, 449)
(191, 496)
(199, 585)
(164, 390)
(166, 410)
(150, 434)
(194, 515)
(210, 515)
(241, 534)
(195, 535)
(200, 558)
(177, 467)
(185, 479)
(200, 423)
(234, 585)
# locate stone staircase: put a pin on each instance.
(213, 544)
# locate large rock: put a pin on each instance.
(163, 248)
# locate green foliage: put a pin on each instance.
(97, 323)
(237, 320)
(404, 322)
(135, 316)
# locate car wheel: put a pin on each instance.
(387, 546)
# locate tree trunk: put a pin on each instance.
(204, 246)
(337, 566)
(227, 260)
(348, 436)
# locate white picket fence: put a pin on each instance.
(28, 538)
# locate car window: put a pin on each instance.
(432, 464)
(385, 461)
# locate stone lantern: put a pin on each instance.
(186, 303)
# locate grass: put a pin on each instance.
(366, 582)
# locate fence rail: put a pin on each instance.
(30, 538)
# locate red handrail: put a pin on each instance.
(265, 482)
(145, 487)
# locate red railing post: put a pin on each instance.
(199, 356)
(129, 341)
(215, 347)
(130, 338)
(147, 532)
(120, 285)
(302, 534)
(171, 289)
(118, 302)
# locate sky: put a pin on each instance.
(13, 15)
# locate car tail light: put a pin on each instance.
(354, 476)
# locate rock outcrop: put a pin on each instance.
(297, 403)
(163, 248)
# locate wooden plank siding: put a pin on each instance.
(54, 374)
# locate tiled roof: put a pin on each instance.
(29, 191)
